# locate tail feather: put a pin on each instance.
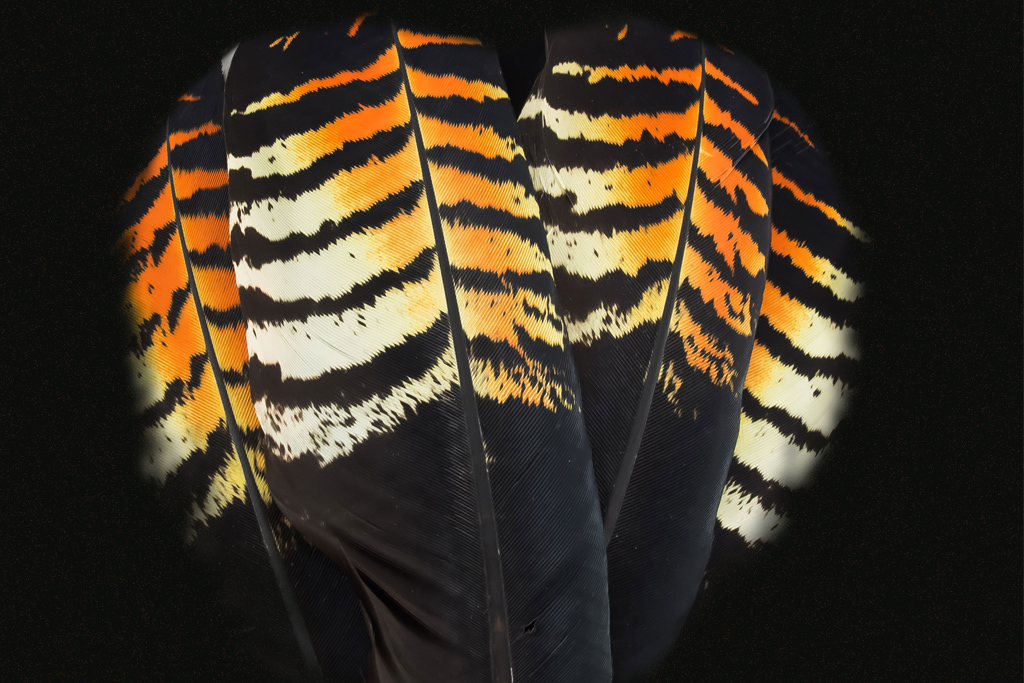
(407, 359)
(190, 363)
(804, 363)
(648, 154)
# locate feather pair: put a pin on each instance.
(455, 397)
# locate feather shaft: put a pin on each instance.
(277, 565)
(501, 657)
(618, 493)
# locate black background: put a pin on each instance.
(904, 559)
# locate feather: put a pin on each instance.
(407, 359)
(299, 616)
(647, 155)
(355, 370)
(805, 352)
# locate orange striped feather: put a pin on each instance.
(406, 351)
(190, 409)
(801, 369)
(657, 222)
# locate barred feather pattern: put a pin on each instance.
(180, 280)
(383, 277)
(805, 353)
(647, 153)
(407, 358)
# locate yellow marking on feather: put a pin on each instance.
(332, 431)
(452, 185)
(615, 322)
(744, 513)
(492, 250)
(503, 317)
(808, 330)
(500, 316)
(622, 33)
(481, 139)
(678, 35)
(204, 407)
(346, 192)
(356, 259)
(171, 441)
(818, 268)
(809, 199)
(240, 397)
(615, 130)
(629, 73)
(299, 151)
(529, 382)
(400, 241)
(386, 63)
(424, 84)
(305, 349)
(258, 464)
(166, 445)
(593, 254)
(761, 446)
(818, 402)
(717, 74)
(226, 486)
(733, 243)
(147, 384)
(646, 185)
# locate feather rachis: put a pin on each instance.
(277, 566)
(501, 658)
(654, 370)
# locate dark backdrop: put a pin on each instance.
(904, 558)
